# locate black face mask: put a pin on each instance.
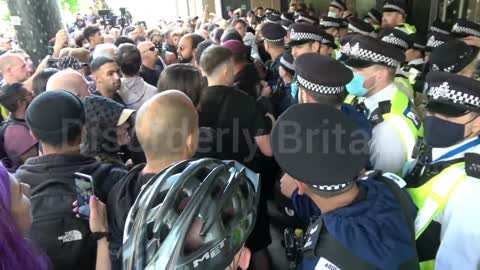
(441, 133)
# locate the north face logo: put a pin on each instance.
(71, 236)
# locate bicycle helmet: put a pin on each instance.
(193, 215)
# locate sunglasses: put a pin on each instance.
(152, 49)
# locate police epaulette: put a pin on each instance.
(472, 165)
(370, 175)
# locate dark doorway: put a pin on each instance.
(231, 5)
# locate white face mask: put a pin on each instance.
(332, 14)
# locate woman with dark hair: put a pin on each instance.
(40, 81)
(107, 125)
(185, 78)
(16, 220)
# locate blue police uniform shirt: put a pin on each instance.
(373, 229)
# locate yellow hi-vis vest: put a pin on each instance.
(4, 112)
(403, 84)
(403, 117)
(432, 197)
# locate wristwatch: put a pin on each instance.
(100, 235)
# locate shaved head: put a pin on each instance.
(13, 68)
(69, 80)
(167, 126)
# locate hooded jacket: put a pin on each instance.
(373, 229)
(63, 166)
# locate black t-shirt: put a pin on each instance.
(236, 120)
(150, 76)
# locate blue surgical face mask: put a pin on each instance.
(294, 88)
(332, 14)
(355, 87)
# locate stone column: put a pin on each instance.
(35, 22)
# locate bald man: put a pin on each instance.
(152, 64)
(167, 128)
(71, 81)
(14, 68)
(187, 48)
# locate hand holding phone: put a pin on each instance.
(84, 189)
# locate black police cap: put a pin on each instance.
(273, 18)
(375, 16)
(322, 74)
(396, 37)
(359, 26)
(319, 145)
(465, 28)
(286, 61)
(303, 33)
(273, 32)
(419, 41)
(435, 39)
(452, 56)
(395, 6)
(451, 94)
(307, 19)
(338, 4)
(361, 51)
(329, 22)
(440, 27)
(329, 40)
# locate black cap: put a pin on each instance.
(273, 32)
(396, 37)
(303, 33)
(362, 51)
(338, 4)
(451, 94)
(343, 23)
(306, 19)
(452, 56)
(419, 41)
(359, 26)
(287, 16)
(51, 113)
(286, 61)
(322, 74)
(375, 16)
(286, 24)
(330, 161)
(395, 6)
(329, 40)
(273, 18)
(465, 28)
(329, 22)
(440, 27)
(436, 39)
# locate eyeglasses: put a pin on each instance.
(152, 49)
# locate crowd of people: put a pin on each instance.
(200, 136)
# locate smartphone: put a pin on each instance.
(84, 188)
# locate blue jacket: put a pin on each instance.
(373, 229)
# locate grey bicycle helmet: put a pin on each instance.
(193, 215)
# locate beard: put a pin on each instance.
(183, 60)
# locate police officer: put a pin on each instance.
(330, 25)
(374, 18)
(355, 25)
(304, 38)
(274, 41)
(402, 41)
(325, 151)
(455, 56)
(329, 46)
(395, 123)
(464, 28)
(281, 96)
(321, 80)
(395, 15)
(445, 183)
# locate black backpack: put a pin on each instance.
(55, 229)
(4, 158)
